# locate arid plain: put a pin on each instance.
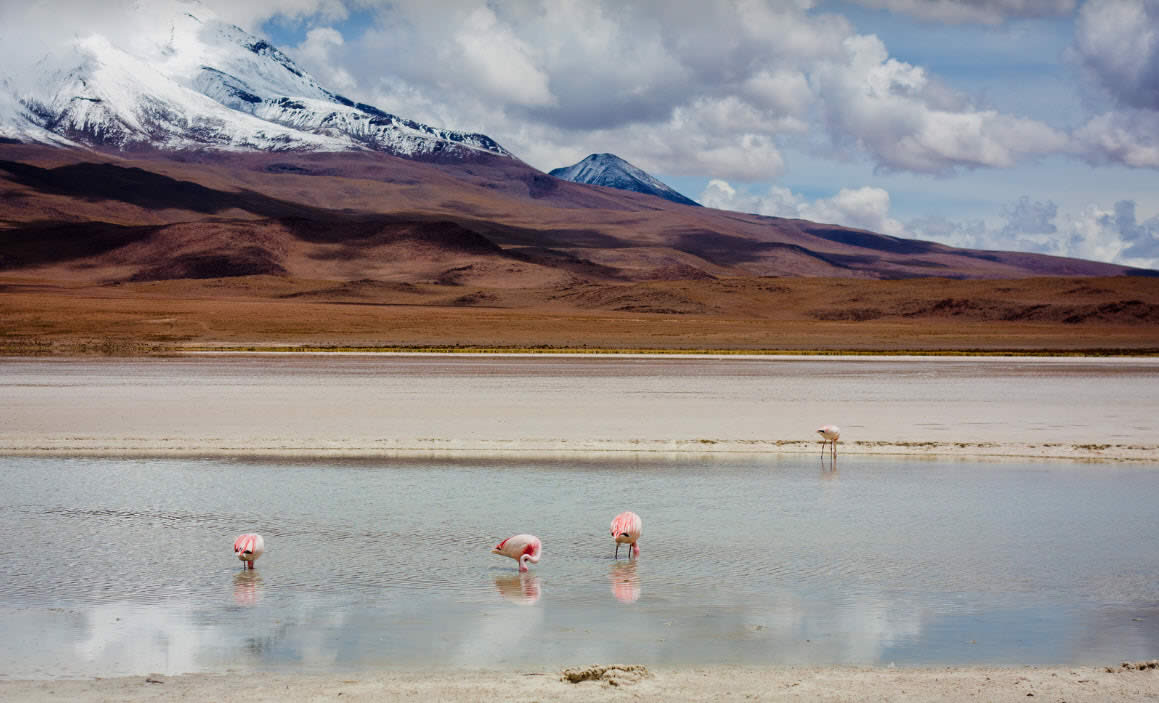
(144, 253)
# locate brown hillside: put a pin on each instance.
(103, 251)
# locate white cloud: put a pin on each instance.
(864, 208)
(250, 14)
(501, 62)
(315, 54)
(686, 86)
(1092, 232)
(1128, 137)
(907, 122)
(1025, 216)
(1117, 43)
(982, 11)
(1117, 48)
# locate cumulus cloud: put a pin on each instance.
(1030, 217)
(250, 14)
(504, 65)
(980, 11)
(1141, 238)
(725, 78)
(686, 87)
(865, 208)
(894, 111)
(1092, 232)
(1117, 43)
(315, 53)
(1117, 47)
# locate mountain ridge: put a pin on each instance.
(363, 215)
(205, 84)
(614, 172)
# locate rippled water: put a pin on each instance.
(125, 566)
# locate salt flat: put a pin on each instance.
(368, 405)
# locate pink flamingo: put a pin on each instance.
(626, 529)
(248, 548)
(829, 433)
(521, 548)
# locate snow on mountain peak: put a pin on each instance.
(193, 81)
(612, 171)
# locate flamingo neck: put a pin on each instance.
(525, 559)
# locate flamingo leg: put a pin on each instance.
(617, 550)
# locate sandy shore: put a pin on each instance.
(1071, 684)
(548, 449)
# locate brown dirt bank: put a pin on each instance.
(1058, 315)
(1071, 684)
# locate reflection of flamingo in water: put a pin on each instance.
(521, 548)
(625, 581)
(522, 589)
(247, 587)
(829, 433)
(626, 529)
(248, 548)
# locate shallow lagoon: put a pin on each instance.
(125, 566)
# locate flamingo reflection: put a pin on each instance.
(247, 587)
(625, 581)
(522, 589)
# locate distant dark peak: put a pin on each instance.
(611, 171)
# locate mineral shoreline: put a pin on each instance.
(615, 683)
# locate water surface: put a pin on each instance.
(115, 567)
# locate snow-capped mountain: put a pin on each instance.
(201, 83)
(612, 171)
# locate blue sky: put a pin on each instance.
(1005, 124)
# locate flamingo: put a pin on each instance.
(829, 433)
(521, 548)
(248, 548)
(626, 529)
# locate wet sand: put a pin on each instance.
(365, 405)
(1071, 684)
